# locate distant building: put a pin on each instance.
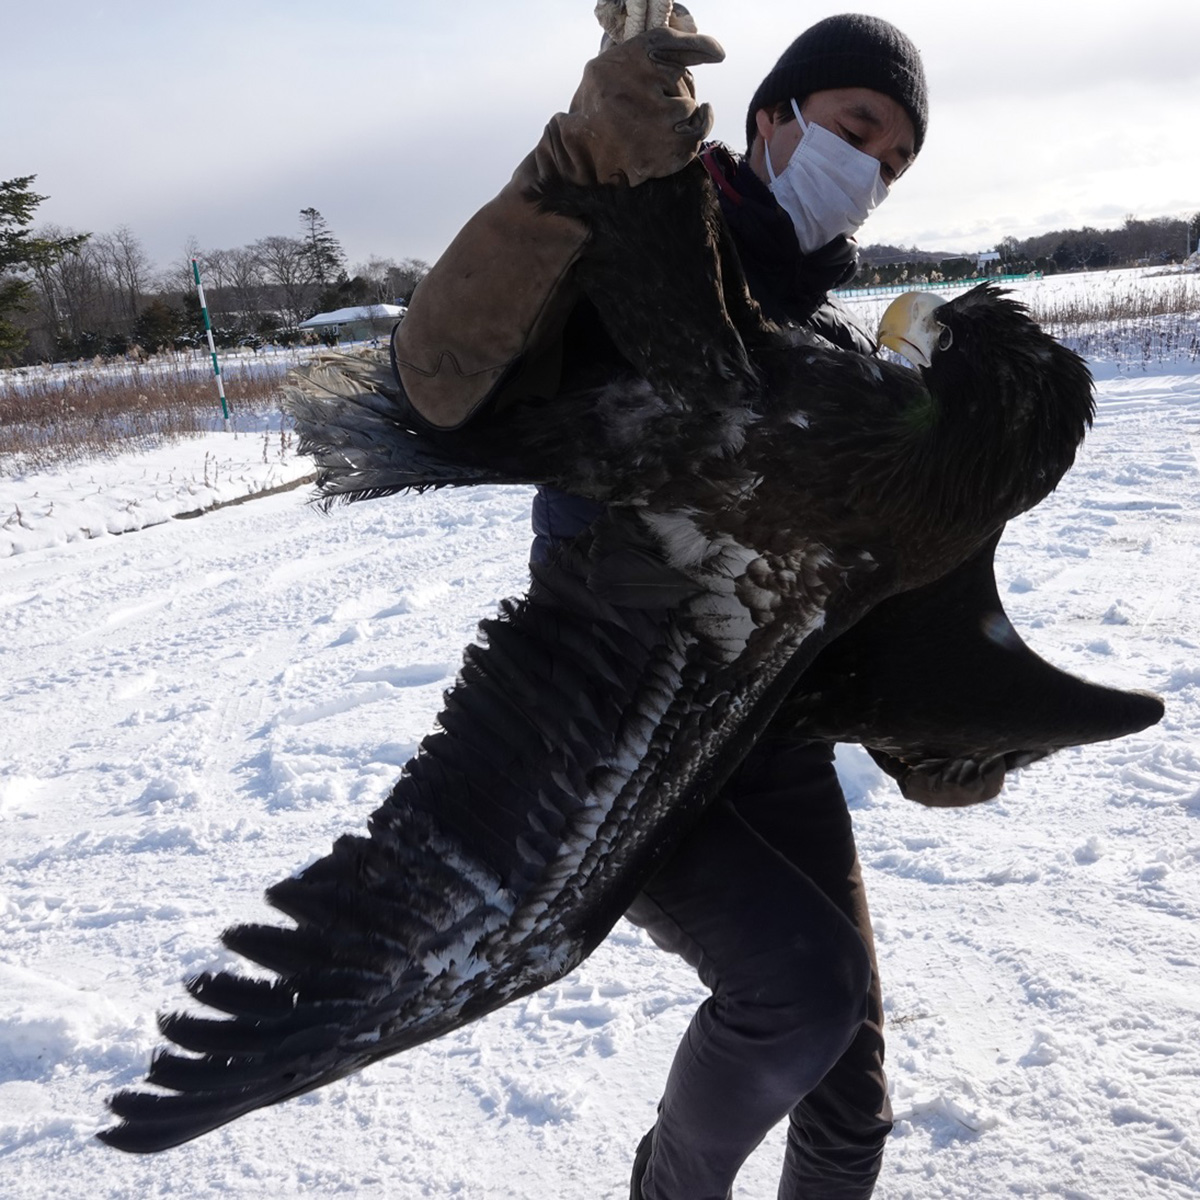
(987, 261)
(356, 324)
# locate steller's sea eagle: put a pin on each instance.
(766, 495)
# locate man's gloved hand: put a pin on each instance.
(635, 115)
(481, 323)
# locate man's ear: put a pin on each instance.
(764, 121)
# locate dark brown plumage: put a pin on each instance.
(766, 493)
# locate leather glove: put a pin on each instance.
(635, 115)
(502, 291)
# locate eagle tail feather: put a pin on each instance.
(351, 419)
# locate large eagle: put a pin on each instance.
(787, 525)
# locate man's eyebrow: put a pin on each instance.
(865, 112)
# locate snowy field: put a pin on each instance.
(195, 710)
(129, 492)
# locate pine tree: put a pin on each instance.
(157, 326)
(326, 260)
(19, 251)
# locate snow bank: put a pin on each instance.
(136, 489)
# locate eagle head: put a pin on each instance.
(1007, 394)
(994, 346)
(910, 326)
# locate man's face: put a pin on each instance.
(870, 121)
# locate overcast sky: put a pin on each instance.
(397, 120)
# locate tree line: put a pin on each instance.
(1137, 243)
(67, 295)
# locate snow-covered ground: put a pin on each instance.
(127, 492)
(193, 711)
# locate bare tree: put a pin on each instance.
(376, 274)
(287, 265)
(75, 303)
(126, 271)
(178, 276)
(233, 286)
(84, 296)
(389, 281)
(245, 274)
(232, 283)
(215, 275)
(89, 299)
(51, 321)
(404, 279)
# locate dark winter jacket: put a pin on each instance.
(791, 288)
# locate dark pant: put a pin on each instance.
(765, 900)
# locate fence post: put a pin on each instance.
(212, 349)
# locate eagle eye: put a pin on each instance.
(945, 338)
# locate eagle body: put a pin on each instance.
(766, 494)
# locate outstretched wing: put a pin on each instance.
(941, 687)
(577, 746)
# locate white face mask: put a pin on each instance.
(828, 187)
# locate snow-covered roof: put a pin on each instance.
(364, 312)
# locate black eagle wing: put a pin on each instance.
(939, 686)
(579, 743)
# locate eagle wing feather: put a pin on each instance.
(577, 745)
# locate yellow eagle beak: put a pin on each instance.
(908, 327)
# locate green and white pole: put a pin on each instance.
(212, 350)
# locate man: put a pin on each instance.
(765, 898)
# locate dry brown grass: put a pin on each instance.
(1139, 300)
(74, 413)
(1147, 321)
(68, 415)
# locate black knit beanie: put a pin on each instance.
(850, 50)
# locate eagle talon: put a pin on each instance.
(624, 19)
